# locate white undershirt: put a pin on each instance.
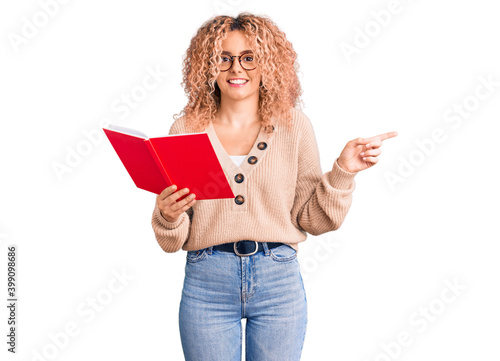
(238, 159)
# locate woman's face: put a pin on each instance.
(236, 44)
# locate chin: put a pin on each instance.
(238, 95)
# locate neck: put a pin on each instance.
(238, 113)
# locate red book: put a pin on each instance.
(186, 160)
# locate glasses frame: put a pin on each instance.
(239, 60)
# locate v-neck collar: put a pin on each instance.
(263, 138)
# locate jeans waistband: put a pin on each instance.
(245, 247)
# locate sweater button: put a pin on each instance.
(239, 199)
(239, 178)
(262, 145)
(252, 160)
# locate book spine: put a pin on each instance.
(162, 169)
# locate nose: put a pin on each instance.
(235, 66)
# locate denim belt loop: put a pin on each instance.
(266, 249)
(209, 250)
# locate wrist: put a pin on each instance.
(165, 218)
(343, 167)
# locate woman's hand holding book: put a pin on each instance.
(170, 207)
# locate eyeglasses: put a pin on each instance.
(247, 61)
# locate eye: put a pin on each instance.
(225, 59)
(248, 58)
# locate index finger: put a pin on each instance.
(383, 136)
(167, 191)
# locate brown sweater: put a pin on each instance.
(284, 194)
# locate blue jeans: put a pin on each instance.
(221, 288)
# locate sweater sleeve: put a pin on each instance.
(321, 200)
(171, 236)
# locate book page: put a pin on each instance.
(129, 131)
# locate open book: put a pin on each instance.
(186, 160)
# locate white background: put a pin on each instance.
(366, 283)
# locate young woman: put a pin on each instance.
(240, 75)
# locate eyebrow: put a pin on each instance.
(244, 51)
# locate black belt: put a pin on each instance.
(245, 247)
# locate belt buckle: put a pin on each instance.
(245, 254)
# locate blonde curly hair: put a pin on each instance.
(279, 90)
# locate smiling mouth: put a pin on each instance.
(237, 81)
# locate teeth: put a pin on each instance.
(238, 81)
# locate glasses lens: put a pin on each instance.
(248, 61)
(225, 62)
